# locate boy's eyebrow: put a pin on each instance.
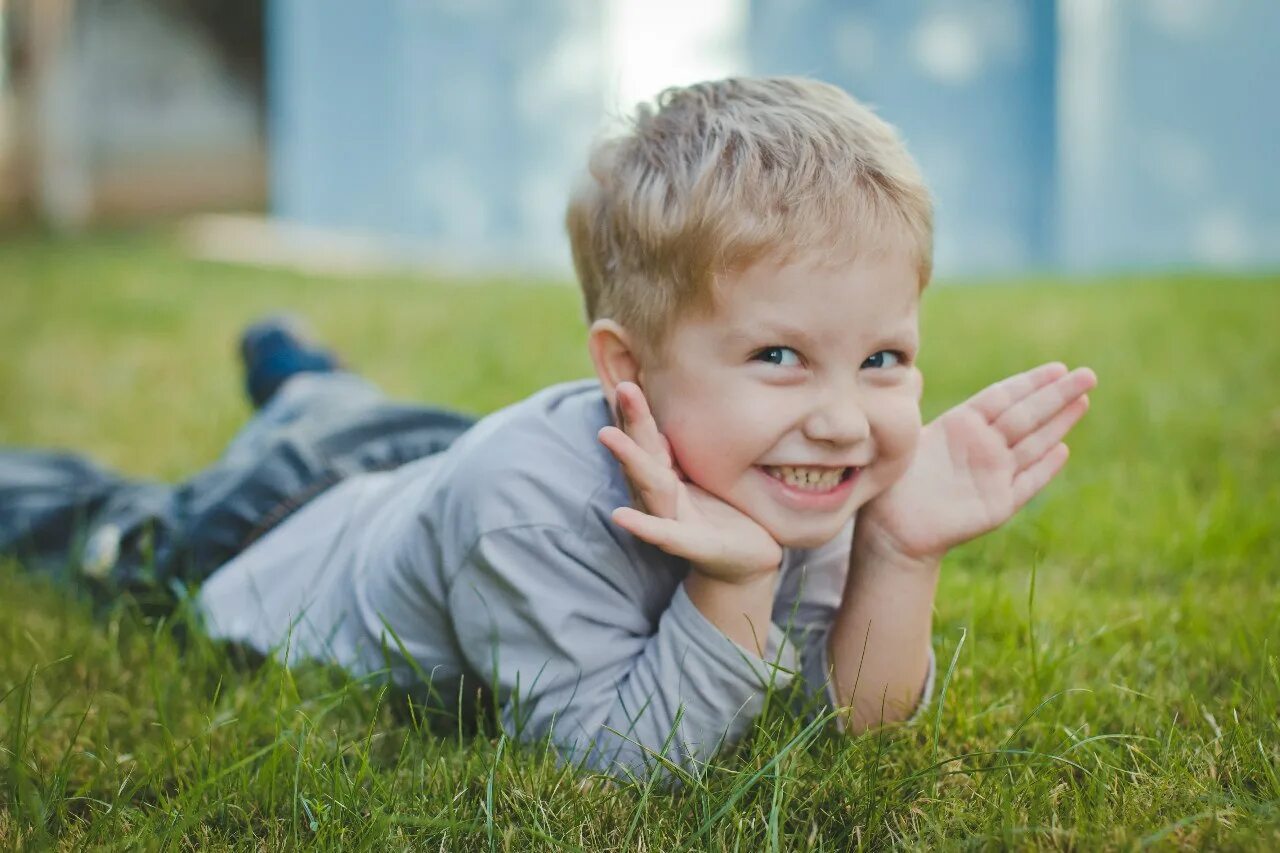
(780, 330)
(908, 335)
(760, 333)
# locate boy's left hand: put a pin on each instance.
(979, 463)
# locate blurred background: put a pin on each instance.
(395, 172)
(1078, 136)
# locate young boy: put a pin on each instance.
(629, 562)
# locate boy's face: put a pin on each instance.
(796, 397)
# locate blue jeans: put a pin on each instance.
(62, 514)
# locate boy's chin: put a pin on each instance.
(812, 535)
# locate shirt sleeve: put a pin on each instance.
(574, 654)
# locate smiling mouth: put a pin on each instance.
(809, 478)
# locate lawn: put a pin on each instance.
(1110, 659)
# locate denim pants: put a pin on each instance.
(62, 514)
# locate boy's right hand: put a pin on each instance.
(673, 513)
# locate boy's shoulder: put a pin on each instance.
(533, 483)
(535, 462)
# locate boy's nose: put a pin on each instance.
(839, 419)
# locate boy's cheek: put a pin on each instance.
(902, 442)
(910, 453)
(903, 458)
(916, 428)
(692, 455)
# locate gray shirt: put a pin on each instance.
(496, 563)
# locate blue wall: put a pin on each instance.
(454, 128)
(1169, 134)
(1081, 135)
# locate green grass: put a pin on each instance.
(1116, 648)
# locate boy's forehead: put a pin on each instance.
(793, 296)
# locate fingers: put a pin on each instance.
(1044, 439)
(992, 401)
(1029, 482)
(637, 420)
(653, 481)
(1041, 406)
(644, 452)
(663, 533)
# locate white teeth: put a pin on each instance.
(810, 479)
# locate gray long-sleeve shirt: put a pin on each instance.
(497, 562)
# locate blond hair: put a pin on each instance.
(717, 176)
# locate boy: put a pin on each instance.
(629, 562)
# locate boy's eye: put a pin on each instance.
(781, 356)
(885, 358)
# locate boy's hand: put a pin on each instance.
(979, 463)
(673, 513)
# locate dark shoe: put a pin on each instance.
(276, 348)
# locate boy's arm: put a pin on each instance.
(580, 647)
(976, 465)
(734, 560)
(880, 640)
(742, 611)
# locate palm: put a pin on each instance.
(980, 462)
(722, 539)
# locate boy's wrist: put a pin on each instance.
(741, 608)
(874, 545)
(737, 576)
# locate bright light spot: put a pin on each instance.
(947, 49)
(1221, 237)
(654, 44)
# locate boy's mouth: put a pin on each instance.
(809, 478)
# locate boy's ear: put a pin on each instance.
(614, 355)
